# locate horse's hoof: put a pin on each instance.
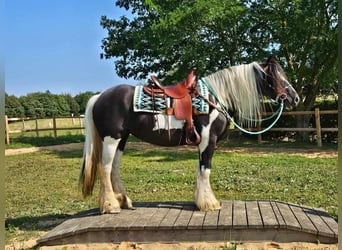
(113, 211)
(109, 208)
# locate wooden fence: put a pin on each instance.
(317, 129)
(80, 126)
(75, 123)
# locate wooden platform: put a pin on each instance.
(181, 221)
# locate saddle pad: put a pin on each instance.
(142, 102)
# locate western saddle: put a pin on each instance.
(182, 95)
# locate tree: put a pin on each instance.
(82, 100)
(48, 102)
(170, 37)
(63, 108)
(73, 105)
(13, 107)
(305, 33)
(33, 107)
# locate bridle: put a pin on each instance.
(264, 76)
(220, 107)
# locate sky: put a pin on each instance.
(55, 45)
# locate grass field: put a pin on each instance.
(42, 188)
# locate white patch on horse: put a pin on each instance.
(166, 122)
(204, 195)
(109, 148)
(206, 131)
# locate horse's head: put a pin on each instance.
(274, 83)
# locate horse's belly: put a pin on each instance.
(165, 131)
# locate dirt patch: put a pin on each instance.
(309, 153)
(181, 245)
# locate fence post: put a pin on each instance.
(81, 124)
(318, 127)
(259, 135)
(54, 126)
(37, 130)
(7, 130)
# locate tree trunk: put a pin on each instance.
(303, 121)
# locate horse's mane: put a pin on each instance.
(237, 90)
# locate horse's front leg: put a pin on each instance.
(108, 201)
(204, 196)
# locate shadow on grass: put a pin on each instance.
(75, 153)
(30, 141)
(161, 155)
(33, 223)
(44, 222)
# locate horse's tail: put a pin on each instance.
(92, 152)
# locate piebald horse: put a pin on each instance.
(110, 119)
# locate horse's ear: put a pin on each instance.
(270, 59)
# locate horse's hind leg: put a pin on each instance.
(119, 189)
(108, 201)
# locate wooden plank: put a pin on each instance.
(183, 222)
(288, 216)
(253, 215)
(332, 224)
(184, 217)
(239, 214)
(66, 228)
(141, 217)
(303, 219)
(211, 219)
(170, 218)
(157, 218)
(196, 221)
(320, 224)
(94, 222)
(225, 219)
(268, 216)
(278, 215)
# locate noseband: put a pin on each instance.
(282, 94)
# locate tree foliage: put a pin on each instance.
(13, 107)
(171, 37)
(46, 104)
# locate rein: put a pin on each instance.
(226, 113)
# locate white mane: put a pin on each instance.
(237, 90)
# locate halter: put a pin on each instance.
(280, 97)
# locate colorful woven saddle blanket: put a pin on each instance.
(144, 102)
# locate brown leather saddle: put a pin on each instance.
(182, 95)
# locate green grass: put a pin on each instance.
(42, 188)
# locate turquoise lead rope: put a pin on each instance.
(279, 111)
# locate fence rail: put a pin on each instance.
(77, 122)
(80, 126)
